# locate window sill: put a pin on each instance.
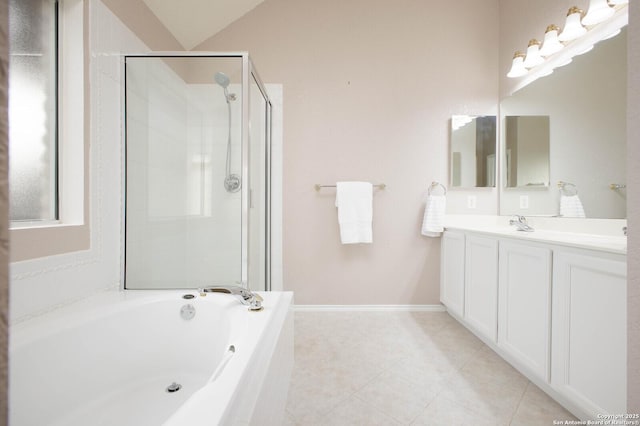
(50, 240)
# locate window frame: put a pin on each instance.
(71, 232)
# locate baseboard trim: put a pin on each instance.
(369, 308)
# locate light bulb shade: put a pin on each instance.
(533, 57)
(612, 34)
(599, 11)
(517, 66)
(551, 44)
(573, 27)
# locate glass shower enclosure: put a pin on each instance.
(197, 172)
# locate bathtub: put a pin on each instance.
(113, 359)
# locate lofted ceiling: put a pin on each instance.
(193, 21)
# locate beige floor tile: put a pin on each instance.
(492, 400)
(427, 369)
(352, 412)
(311, 394)
(432, 321)
(288, 420)
(398, 398)
(444, 412)
(537, 408)
(488, 367)
(369, 368)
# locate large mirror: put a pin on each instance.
(473, 151)
(527, 150)
(582, 108)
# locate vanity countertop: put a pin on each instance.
(602, 236)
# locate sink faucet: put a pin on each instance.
(520, 222)
(245, 296)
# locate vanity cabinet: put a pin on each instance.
(556, 312)
(524, 307)
(481, 285)
(452, 272)
(588, 354)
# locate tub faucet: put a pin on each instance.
(245, 296)
(520, 222)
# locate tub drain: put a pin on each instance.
(174, 387)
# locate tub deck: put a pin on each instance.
(108, 360)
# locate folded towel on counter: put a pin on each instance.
(571, 206)
(354, 201)
(433, 219)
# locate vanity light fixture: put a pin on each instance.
(599, 11)
(551, 44)
(573, 27)
(558, 48)
(517, 66)
(533, 57)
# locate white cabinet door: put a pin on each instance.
(589, 351)
(524, 301)
(481, 285)
(452, 272)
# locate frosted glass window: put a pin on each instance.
(33, 110)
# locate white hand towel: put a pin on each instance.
(571, 206)
(433, 219)
(354, 201)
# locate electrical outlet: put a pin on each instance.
(471, 202)
(524, 201)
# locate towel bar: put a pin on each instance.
(317, 186)
(616, 186)
(436, 184)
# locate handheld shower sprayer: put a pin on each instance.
(223, 81)
(232, 182)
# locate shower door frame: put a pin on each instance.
(248, 72)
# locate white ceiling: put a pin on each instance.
(193, 21)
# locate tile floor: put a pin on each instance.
(405, 368)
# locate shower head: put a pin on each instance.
(222, 79)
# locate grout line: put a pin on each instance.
(520, 402)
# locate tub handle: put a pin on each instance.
(223, 363)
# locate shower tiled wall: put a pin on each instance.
(183, 228)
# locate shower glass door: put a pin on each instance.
(259, 177)
(185, 205)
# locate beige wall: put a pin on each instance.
(137, 16)
(633, 211)
(369, 86)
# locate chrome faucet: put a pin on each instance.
(245, 296)
(520, 222)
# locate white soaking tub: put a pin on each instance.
(110, 360)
